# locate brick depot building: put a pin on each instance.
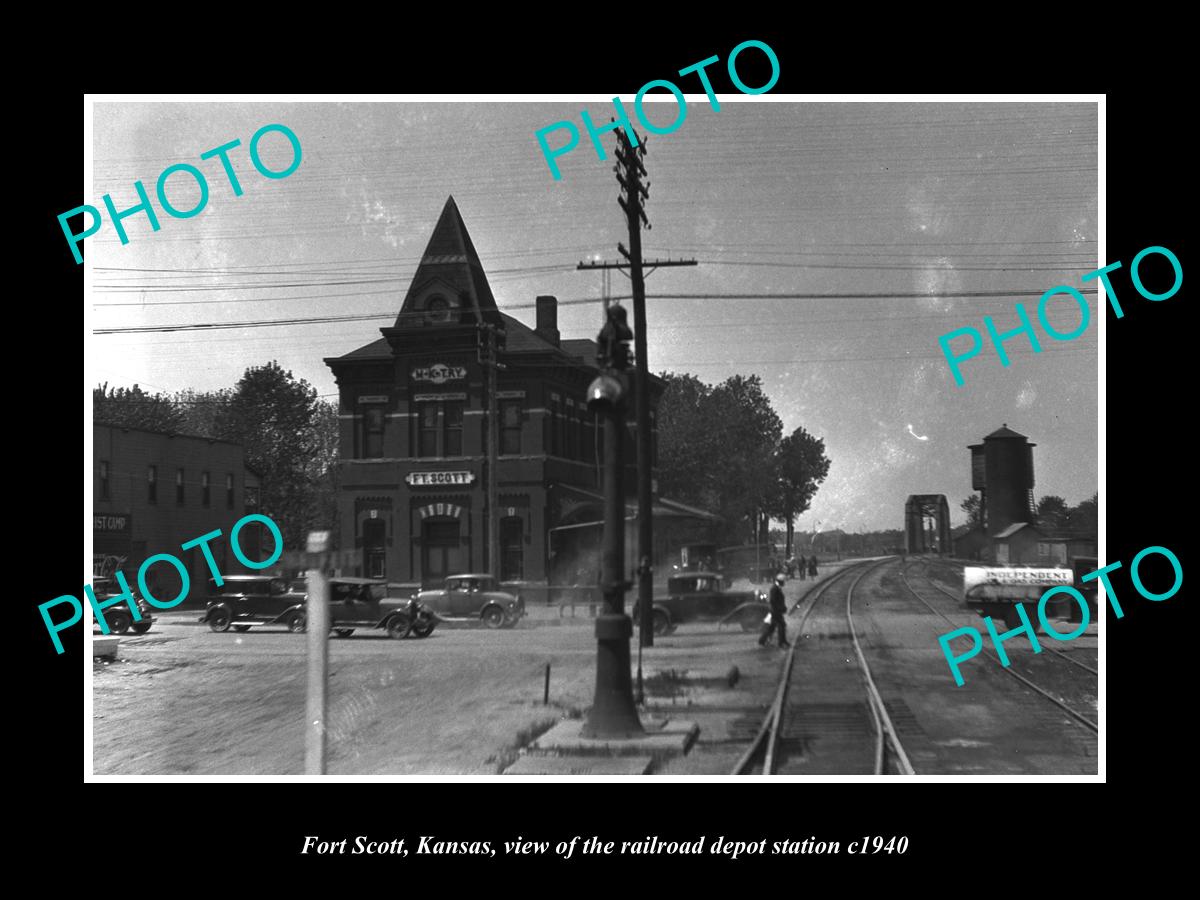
(153, 491)
(412, 498)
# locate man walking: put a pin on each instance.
(778, 611)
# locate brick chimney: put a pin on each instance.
(547, 319)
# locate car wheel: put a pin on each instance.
(343, 632)
(219, 619)
(662, 624)
(751, 619)
(398, 627)
(118, 623)
(241, 628)
(423, 629)
(296, 622)
(493, 617)
(141, 627)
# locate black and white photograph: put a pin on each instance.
(505, 438)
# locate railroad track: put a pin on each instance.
(765, 745)
(957, 600)
(1071, 711)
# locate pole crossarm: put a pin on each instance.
(623, 267)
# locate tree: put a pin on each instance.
(324, 468)
(278, 420)
(1053, 512)
(717, 450)
(686, 443)
(201, 410)
(800, 467)
(742, 471)
(134, 408)
(973, 507)
(1086, 516)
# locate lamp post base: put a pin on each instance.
(613, 713)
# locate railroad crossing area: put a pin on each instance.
(864, 689)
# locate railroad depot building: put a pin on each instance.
(413, 410)
(153, 491)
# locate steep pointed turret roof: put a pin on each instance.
(450, 259)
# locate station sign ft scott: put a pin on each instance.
(422, 479)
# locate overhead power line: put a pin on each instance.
(364, 317)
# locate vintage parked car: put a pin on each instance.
(701, 596)
(118, 617)
(365, 603)
(470, 597)
(246, 600)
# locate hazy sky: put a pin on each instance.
(770, 197)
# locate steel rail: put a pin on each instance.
(1078, 716)
(1059, 653)
(880, 711)
(771, 724)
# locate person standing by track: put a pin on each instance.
(778, 612)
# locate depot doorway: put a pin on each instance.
(442, 551)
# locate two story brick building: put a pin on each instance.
(153, 491)
(414, 456)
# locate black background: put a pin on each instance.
(964, 827)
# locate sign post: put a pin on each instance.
(317, 617)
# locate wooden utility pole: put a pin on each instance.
(630, 171)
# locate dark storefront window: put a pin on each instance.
(512, 549)
(205, 490)
(452, 418)
(510, 427)
(374, 549)
(427, 414)
(229, 490)
(152, 484)
(103, 479)
(179, 487)
(372, 438)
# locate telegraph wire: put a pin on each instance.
(363, 317)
